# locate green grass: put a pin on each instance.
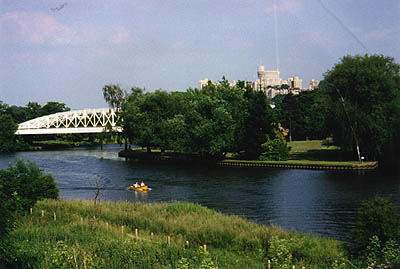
(313, 150)
(88, 236)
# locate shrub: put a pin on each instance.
(275, 149)
(377, 233)
(31, 184)
(21, 186)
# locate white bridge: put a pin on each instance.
(71, 122)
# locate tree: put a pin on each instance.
(275, 148)
(292, 118)
(3, 108)
(7, 133)
(210, 123)
(52, 108)
(34, 110)
(21, 186)
(364, 94)
(257, 124)
(114, 96)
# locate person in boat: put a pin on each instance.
(136, 185)
(142, 184)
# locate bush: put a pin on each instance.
(31, 184)
(21, 186)
(377, 233)
(275, 149)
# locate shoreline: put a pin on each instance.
(290, 164)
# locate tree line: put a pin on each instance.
(11, 116)
(357, 106)
(210, 122)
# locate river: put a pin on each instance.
(311, 201)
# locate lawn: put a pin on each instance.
(313, 150)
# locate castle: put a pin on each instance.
(272, 84)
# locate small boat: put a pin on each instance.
(140, 188)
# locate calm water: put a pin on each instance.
(321, 202)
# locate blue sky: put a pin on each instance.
(67, 50)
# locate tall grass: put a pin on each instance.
(88, 236)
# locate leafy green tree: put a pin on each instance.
(33, 184)
(210, 123)
(114, 96)
(292, 117)
(364, 94)
(258, 122)
(51, 108)
(3, 108)
(21, 186)
(19, 113)
(137, 126)
(34, 110)
(7, 133)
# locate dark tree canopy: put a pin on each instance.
(364, 95)
(210, 122)
(7, 133)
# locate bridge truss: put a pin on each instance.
(71, 122)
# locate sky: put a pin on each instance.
(66, 51)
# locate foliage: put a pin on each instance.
(31, 183)
(114, 95)
(7, 133)
(364, 94)
(32, 110)
(275, 148)
(257, 123)
(209, 122)
(376, 218)
(305, 114)
(52, 108)
(21, 186)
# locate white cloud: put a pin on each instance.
(283, 6)
(38, 28)
(34, 28)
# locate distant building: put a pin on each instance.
(295, 83)
(313, 84)
(270, 82)
(204, 82)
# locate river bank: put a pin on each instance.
(70, 233)
(172, 157)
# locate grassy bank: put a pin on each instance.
(303, 153)
(314, 150)
(78, 234)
